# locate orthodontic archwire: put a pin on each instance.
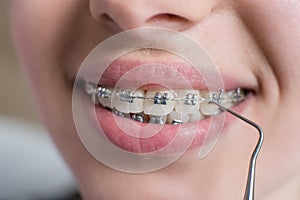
(162, 98)
(191, 99)
(250, 184)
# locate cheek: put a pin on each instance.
(36, 30)
(276, 25)
(43, 32)
(39, 29)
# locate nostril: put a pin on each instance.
(169, 17)
(170, 21)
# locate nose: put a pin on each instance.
(173, 14)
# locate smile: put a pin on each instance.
(143, 114)
(164, 106)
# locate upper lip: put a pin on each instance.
(131, 74)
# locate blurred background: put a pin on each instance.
(30, 166)
(16, 101)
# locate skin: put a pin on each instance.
(260, 41)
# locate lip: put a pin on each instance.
(110, 123)
(131, 74)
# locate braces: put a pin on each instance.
(162, 98)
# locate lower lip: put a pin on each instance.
(164, 137)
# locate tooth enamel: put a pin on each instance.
(231, 97)
(206, 108)
(188, 105)
(120, 114)
(227, 104)
(105, 102)
(123, 102)
(237, 95)
(196, 116)
(177, 116)
(209, 109)
(157, 106)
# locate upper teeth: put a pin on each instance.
(176, 107)
(124, 101)
(190, 101)
(159, 104)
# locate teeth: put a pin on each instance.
(160, 105)
(120, 114)
(177, 116)
(190, 103)
(196, 116)
(123, 101)
(209, 109)
(140, 117)
(237, 95)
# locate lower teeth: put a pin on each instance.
(191, 108)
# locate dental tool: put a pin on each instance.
(250, 186)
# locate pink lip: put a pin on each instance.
(176, 75)
(107, 120)
(129, 143)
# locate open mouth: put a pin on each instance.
(165, 106)
(143, 118)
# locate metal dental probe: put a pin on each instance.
(249, 190)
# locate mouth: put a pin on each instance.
(165, 106)
(161, 111)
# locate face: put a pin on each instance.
(255, 44)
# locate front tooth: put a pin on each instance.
(196, 116)
(159, 103)
(177, 116)
(126, 101)
(190, 103)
